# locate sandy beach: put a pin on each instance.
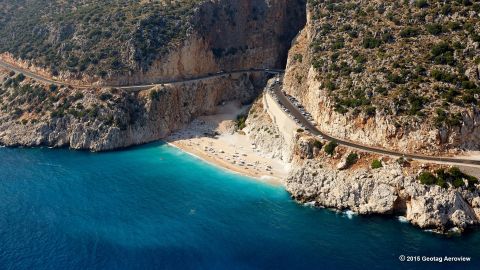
(213, 139)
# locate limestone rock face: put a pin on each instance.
(228, 35)
(304, 148)
(224, 35)
(384, 191)
(307, 85)
(136, 117)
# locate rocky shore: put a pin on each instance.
(392, 189)
(385, 191)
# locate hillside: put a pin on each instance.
(398, 75)
(392, 70)
(139, 41)
(132, 42)
(95, 37)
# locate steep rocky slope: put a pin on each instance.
(107, 119)
(132, 42)
(326, 175)
(392, 188)
(129, 42)
(397, 74)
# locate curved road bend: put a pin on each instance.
(315, 131)
(135, 88)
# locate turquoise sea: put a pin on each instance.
(154, 207)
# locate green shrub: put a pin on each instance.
(330, 148)
(241, 121)
(371, 43)
(76, 96)
(454, 26)
(352, 158)
(442, 76)
(370, 111)
(317, 144)
(376, 164)
(421, 3)
(458, 178)
(442, 183)
(299, 130)
(409, 32)
(330, 86)
(154, 95)
(458, 182)
(105, 96)
(435, 29)
(402, 161)
(298, 57)
(57, 113)
(442, 54)
(338, 44)
(427, 178)
(20, 77)
(455, 172)
(454, 176)
(53, 87)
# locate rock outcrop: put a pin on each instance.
(391, 189)
(112, 119)
(385, 191)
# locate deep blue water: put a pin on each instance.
(154, 207)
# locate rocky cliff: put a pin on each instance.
(212, 36)
(228, 35)
(326, 175)
(108, 119)
(144, 42)
(403, 77)
(269, 134)
(389, 190)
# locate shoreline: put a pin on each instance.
(264, 179)
(215, 140)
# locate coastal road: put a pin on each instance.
(281, 98)
(32, 75)
(140, 87)
(294, 111)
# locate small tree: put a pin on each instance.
(154, 95)
(20, 77)
(421, 3)
(330, 148)
(352, 158)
